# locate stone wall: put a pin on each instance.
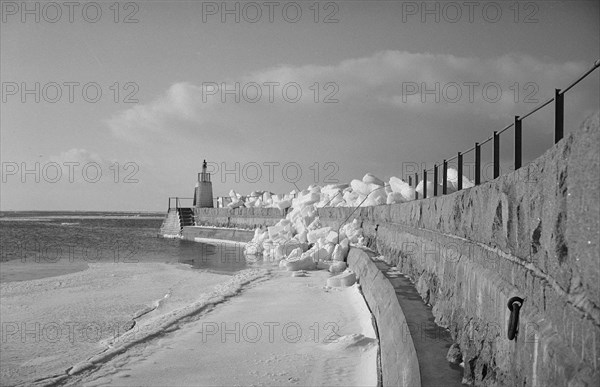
(170, 225)
(398, 358)
(247, 218)
(533, 233)
(190, 233)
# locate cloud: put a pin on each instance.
(400, 81)
(181, 102)
(77, 155)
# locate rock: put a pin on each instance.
(236, 204)
(312, 225)
(329, 247)
(318, 254)
(338, 254)
(359, 187)
(337, 267)
(352, 231)
(376, 197)
(282, 205)
(332, 237)
(309, 198)
(253, 249)
(345, 246)
(419, 188)
(394, 197)
(345, 279)
(338, 199)
(285, 249)
(302, 237)
(295, 254)
(315, 235)
(400, 186)
(305, 262)
(361, 241)
(369, 178)
(452, 178)
(323, 265)
(454, 355)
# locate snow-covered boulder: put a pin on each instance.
(452, 178)
(352, 231)
(304, 262)
(337, 267)
(402, 187)
(347, 278)
(419, 188)
(283, 204)
(360, 187)
(394, 198)
(317, 234)
(369, 178)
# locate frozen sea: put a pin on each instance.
(71, 240)
(75, 286)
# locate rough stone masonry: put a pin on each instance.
(533, 233)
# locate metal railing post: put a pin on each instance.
(559, 115)
(518, 143)
(460, 170)
(445, 178)
(435, 180)
(477, 164)
(558, 99)
(496, 154)
(416, 184)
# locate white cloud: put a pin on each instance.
(77, 155)
(493, 87)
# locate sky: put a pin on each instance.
(114, 105)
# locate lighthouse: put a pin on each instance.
(203, 196)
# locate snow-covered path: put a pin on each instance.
(282, 331)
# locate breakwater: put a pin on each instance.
(533, 233)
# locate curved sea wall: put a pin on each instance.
(398, 357)
(533, 233)
(191, 233)
(247, 218)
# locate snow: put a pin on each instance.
(287, 331)
(453, 181)
(52, 324)
(143, 324)
(367, 192)
(122, 320)
(337, 266)
(218, 241)
(299, 242)
(343, 279)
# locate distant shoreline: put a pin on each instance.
(36, 215)
(9, 213)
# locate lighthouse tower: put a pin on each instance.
(203, 194)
